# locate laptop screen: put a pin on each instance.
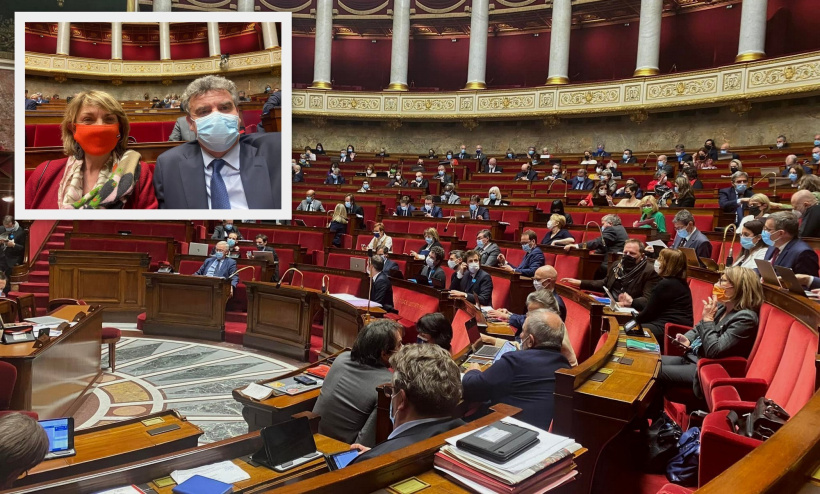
(59, 434)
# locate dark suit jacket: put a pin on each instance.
(482, 284)
(179, 175)
(444, 179)
(613, 241)
(600, 154)
(640, 289)
(532, 261)
(531, 175)
(410, 209)
(489, 255)
(523, 379)
(437, 274)
(220, 233)
(274, 101)
(338, 229)
(796, 255)
(411, 436)
(298, 177)
(392, 269)
(463, 156)
(14, 255)
(683, 157)
(392, 183)
(630, 161)
(498, 169)
(480, 213)
(698, 241)
(382, 292)
(727, 200)
(227, 268)
(31, 105)
(810, 226)
(340, 180)
(436, 212)
(357, 210)
(424, 184)
(587, 184)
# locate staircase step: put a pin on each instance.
(65, 227)
(36, 288)
(43, 256)
(38, 277)
(54, 245)
(234, 332)
(40, 266)
(239, 317)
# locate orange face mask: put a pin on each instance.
(97, 140)
(720, 293)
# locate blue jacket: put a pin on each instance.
(532, 261)
(435, 212)
(339, 180)
(523, 379)
(727, 200)
(796, 255)
(482, 284)
(399, 211)
(586, 184)
(227, 267)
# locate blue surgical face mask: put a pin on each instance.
(747, 242)
(767, 238)
(429, 240)
(793, 177)
(479, 244)
(229, 226)
(492, 196)
(217, 131)
(815, 156)
(309, 199)
(740, 188)
(342, 154)
(531, 152)
(626, 156)
(441, 172)
(231, 242)
(449, 156)
(678, 153)
(526, 247)
(418, 179)
(366, 186)
(816, 142)
(682, 233)
(724, 151)
(219, 254)
(473, 207)
(676, 189)
(509, 155)
(347, 204)
(660, 164)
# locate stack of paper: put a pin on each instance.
(539, 469)
(354, 301)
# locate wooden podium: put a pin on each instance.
(186, 306)
(343, 321)
(279, 318)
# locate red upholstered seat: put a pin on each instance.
(514, 256)
(501, 292)
(720, 446)
(30, 129)
(340, 261)
(235, 332)
(460, 339)
(701, 290)
(567, 266)
(47, 135)
(411, 305)
(578, 328)
(8, 377)
(147, 132)
(514, 218)
(251, 117)
(400, 245)
(417, 227)
(674, 489)
(189, 266)
(110, 337)
(395, 225)
(470, 233)
(109, 333)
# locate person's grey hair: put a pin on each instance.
(23, 445)
(684, 217)
(458, 253)
(203, 85)
(738, 174)
(612, 219)
(786, 221)
(222, 243)
(545, 335)
(545, 299)
(486, 234)
(377, 262)
(8, 219)
(429, 377)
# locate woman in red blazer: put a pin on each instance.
(99, 172)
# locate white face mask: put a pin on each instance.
(537, 284)
(658, 266)
(473, 267)
(550, 225)
(451, 264)
(430, 262)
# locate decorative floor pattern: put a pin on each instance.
(195, 378)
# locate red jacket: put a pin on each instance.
(43, 184)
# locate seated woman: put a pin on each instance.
(319, 149)
(432, 269)
(99, 172)
(684, 196)
(650, 216)
(309, 155)
(660, 180)
(759, 208)
(598, 197)
(474, 281)
(795, 174)
(436, 329)
(397, 180)
(751, 243)
(493, 197)
(338, 224)
(380, 239)
(347, 400)
(630, 199)
(557, 207)
(557, 234)
(369, 172)
(671, 299)
(702, 161)
(727, 328)
(431, 240)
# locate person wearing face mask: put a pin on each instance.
(711, 149)
(627, 158)
(735, 199)
(458, 265)
(492, 167)
(381, 291)
(533, 259)
(344, 156)
(600, 195)
(545, 154)
(430, 209)
(310, 203)
(442, 176)
(391, 267)
(369, 172)
(734, 167)
(580, 181)
(338, 224)
(365, 187)
(493, 198)
(780, 143)
(671, 299)
(397, 180)
(351, 151)
(220, 265)
(728, 328)
(380, 239)
(478, 212)
(600, 153)
(432, 270)
(659, 180)
(526, 173)
(752, 245)
(684, 197)
(726, 152)
(354, 209)
(233, 245)
(424, 394)
(309, 154)
(780, 233)
(557, 234)
(555, 174)
(99, 171)
(220, 170)
(544, 297)
(680, 155)
(526, 378)
(431, 239)
(431, 155)
(687, 235)
(297, 174)
(557, 207)
(795, 173)
(449, 196)
(479, 152)
(222, 231)
(347, 400)
(815, 154)
(474, 281)
(319, 149)
(273, 101)
(382, 154)
(588, 159)
(418, 167)
(692, 175)
(420, 182)
(651, 217)
(531, 152)
(791, 162)
(488, 249)
(262, 246)
(335, 177)
(630, 196)
(702, 161)
(462, 153)
(805, 203)
(633, 276)
(510, 154)
(435, 329)
(405, 208)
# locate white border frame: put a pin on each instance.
(20, 211)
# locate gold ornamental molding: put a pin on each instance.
(794, 76)
(92, 68)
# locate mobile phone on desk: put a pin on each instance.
(304, 380)
(337, 461)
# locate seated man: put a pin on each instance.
(612, 239)
(492, 167)
(297, 176)
(425, 390)
(23, 445)
(222, 231)
(478, 212)
(580, 181)
(405, 208)
(347, 401)
(689, 236)
(310, 203)
(791, 162)
(473, 281)
(182, 131)
(526, 173)
(390, 266)
(420, 182)
(220, 265)
(382, 290)
(430, 209)
(450, 196)
(488, 249)
(525, 378)
(442, 176)
(805, 203)
(532, 261)
(544, 279)
(631, 280)
(233, 245)
(262, 245)
(335, 177)
(354, 209)
(785, 249)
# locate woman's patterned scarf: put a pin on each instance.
(114, 186)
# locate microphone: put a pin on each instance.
(651, 153)
(327, 214)
(325, 280)
(450, 218)
(253, 278)
(566, 186)
(366, 318)
(599, 229)
(279, 284)
(729, 258)
(770, 174)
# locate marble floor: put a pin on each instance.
(155, 374)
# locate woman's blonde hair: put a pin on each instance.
(102, 100)
(651, 201)
(673, 264)
(379, 227)
(748, 289)
(559, 220)
(340, 213)
(496, 191)
(762, 199)
(432, 232)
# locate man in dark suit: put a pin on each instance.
(442, 176)
(805, 203)
(390, 266)
(354, 209)
(31, 105)
(689, 236)
(345, 157)
(580, 181)
(430, 209)
(425, 391)
(382, 290)
(335, 177)
(785, 249)
(220, 170)
(526, 378)
(463, 154)
(274, 101)
(478, 212)
(612, 240)
(420, 182)
(735, 199)
(310, 203)
(780, 143)
(297, 174)
(681, 155)
(533, 260)
(262, 245)
(526, 173)
(600, 153)
(492, 167)
(12, 248)
(474, 281)
(791, 162)
(220, 265)
(405, 208)
(627, 158)
(479, 153)
(726, 151)
(182, 131)
(222, 231)
(488, 249)
(544, 297)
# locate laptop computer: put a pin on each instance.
(767, 272)
(423, 280)
(196, 249)
(691, 256)
(263, 254)
(462, 215)
(789, 280)
(357, 264)
(418, 212)
(286, 445)
(60, 434)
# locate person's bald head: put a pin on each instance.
(546, 275)
(802, 200)
(791, 159)
(311, 193)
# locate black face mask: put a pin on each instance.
(733, 169)
(754, 210)
(628, 262)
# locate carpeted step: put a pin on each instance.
(234, 316)
(38, 277)
(64, 227)
(315, 348)
(43, 256)
(40, 266)
(234, 332)
(36, 288)
(140, 320)
(54, 245)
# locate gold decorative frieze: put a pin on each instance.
(445, 104)
(511, 102)
(732, 81)
(785, 74)
(676, 89)
(299, 101)
(589, 97)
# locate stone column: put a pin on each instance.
(269, 36)
(213, 39)
(63, 37)
(162, 5)
(244, 6)
(400, 54)
(323, 44)
(116, 41)
(752, 43)
(649, 38)
(477, 62)
(165, 41)
(559, 42)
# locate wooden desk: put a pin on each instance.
(111, 445)
(236, 449)
(53, 380)
(280, 317)
(342, 323)
(186, 306)
(277, 409)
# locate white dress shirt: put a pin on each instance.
(230, 175)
